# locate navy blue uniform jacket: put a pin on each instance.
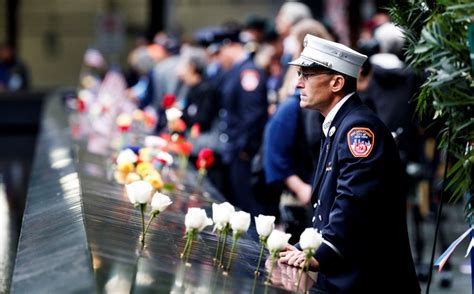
(246, 109)
(359, 209)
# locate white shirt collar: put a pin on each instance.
(328, 119)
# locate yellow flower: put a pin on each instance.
(132, 177)
(144, 169)
(145, 154)
(125, 167)
(155, 180)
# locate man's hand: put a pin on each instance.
(294, 257)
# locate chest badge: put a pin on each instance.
(332, 131)
(360, 141)
(249, 80)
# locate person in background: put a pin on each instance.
(142, 60)
(201, 108)
(269, 57)
(419, 156)
(93, 70)
(282, 46)
(358, 206)
(253, 33)
(164, 77)
(13, 72)
(243, 115)
(289, 14)
(202, 101)
(205, 37)
(391, 88)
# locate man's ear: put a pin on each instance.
(337, 83)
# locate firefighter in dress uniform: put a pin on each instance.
(358, 206)
(243, 115)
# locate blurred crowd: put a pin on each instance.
(233, 83)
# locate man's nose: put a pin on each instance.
(300, 83)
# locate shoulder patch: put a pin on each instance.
(360, 141)
(249, 79)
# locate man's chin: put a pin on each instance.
(303, 104)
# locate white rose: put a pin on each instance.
(165, 157)
(240, 221)
(160, 202)
(126, 155)
(155, 142)
(196, 219)
(265, 225)
(277, 240)
(221, 214)
(139, 192)
(87, 96)
(173, 114)
(310, 239)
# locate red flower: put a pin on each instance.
(124, 122)
(123, 128)
(168, 101)
(205, 158)
(81, 105)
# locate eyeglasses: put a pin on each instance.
(306, 75)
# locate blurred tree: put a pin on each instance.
(437, 37)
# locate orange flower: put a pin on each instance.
(149, 119)
(195, 131)
(186, 148)
(120, 177)
(125, 167)
(178, 126)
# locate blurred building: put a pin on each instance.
(51, 36)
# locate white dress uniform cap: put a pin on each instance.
(332, 55)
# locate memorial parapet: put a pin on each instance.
(80, 232)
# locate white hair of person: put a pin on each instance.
(141, 60)
(295, 11)
(390, 38)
